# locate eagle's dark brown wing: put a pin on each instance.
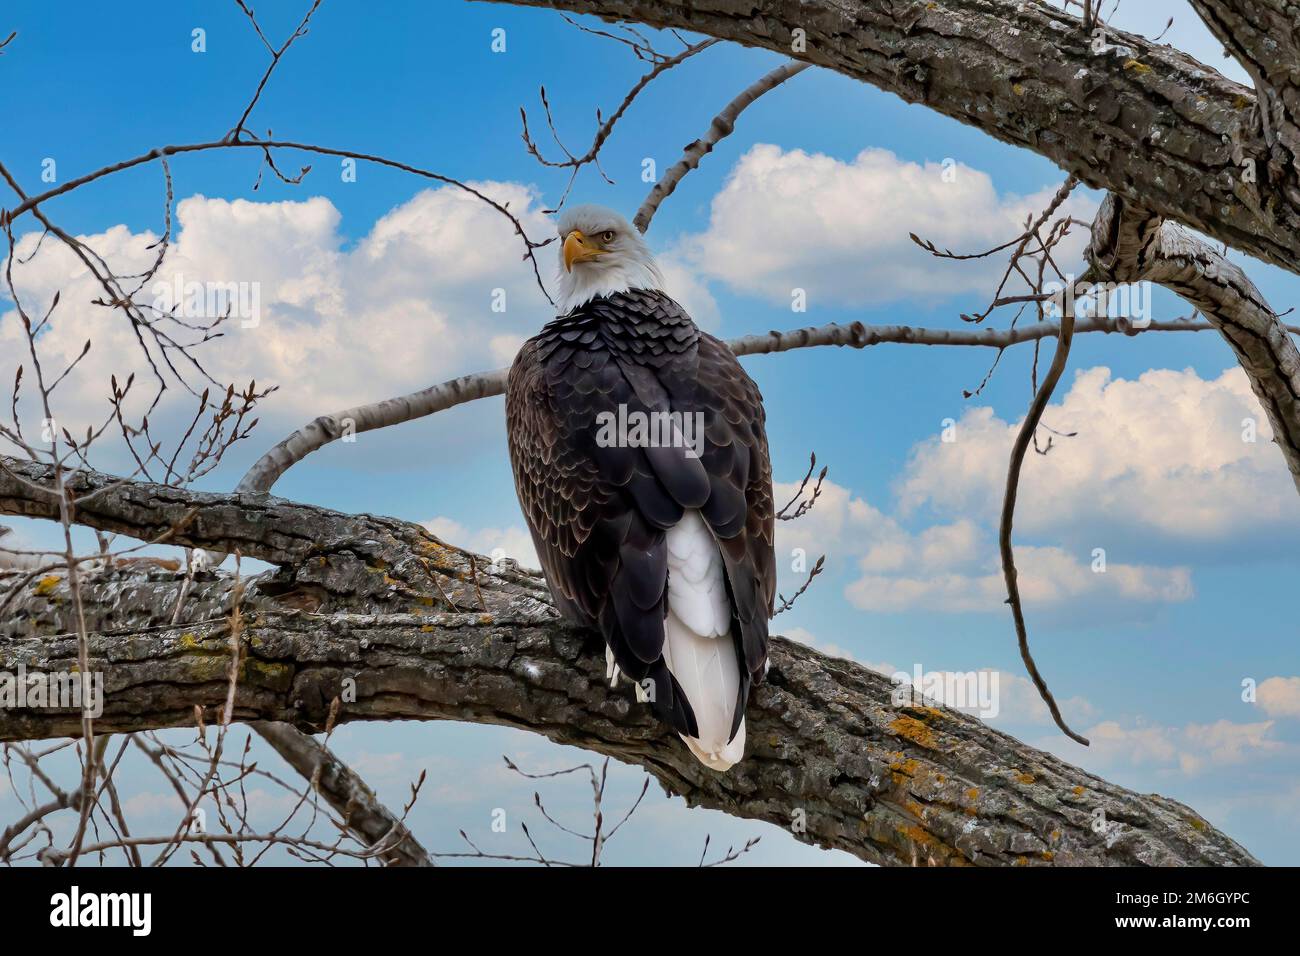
(599, 513)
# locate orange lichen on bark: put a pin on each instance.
(902, 769)
(915, 731)
(925, 842)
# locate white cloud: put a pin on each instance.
(1279, 696)
(1020, 703)
(13, 539)
(1046, 576)
(514, 541)
(996, 696)
(1162, 454)
(153, 804)
(409, 305)
(504, 348)
(1017, 700)
(1190, 750)
(839, 230)
(955, 567)
(690, 291)
(806, 637)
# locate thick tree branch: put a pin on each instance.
(428, 632)
(1263, 36)
(1126, 115)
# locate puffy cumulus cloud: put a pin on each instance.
(1047, 575)
(153, 804)
(504, 348)
(953, 567)
(1020, 703)
(514, 542)
(1190, 750)
(839, 230)
(1014, 696)
(806, 637)
(997, 696)
(690, 290)
(412, 303)
(1162, 454)
(1279, 696)
(838, 525)
(409, 304)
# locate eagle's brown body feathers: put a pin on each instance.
(599, 515)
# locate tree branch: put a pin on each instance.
(318, 433)
(1262, 36)
(719, 129)
(1028, 429)
(1133, 117)
(355, 803)
(390, 606)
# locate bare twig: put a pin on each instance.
(276, 54)
(1027, 431)
(720, 128)
(661, 64)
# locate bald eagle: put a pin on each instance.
(640, 459)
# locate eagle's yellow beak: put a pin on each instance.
(578, 248)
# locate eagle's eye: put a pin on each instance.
(607, 236)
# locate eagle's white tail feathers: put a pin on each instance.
(697, 644)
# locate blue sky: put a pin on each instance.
(377, 287)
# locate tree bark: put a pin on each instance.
(399, 625)
(1126, 115)
(1264, 37)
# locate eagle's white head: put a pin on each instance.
(601, 253)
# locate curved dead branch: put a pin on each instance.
(1018, 449)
